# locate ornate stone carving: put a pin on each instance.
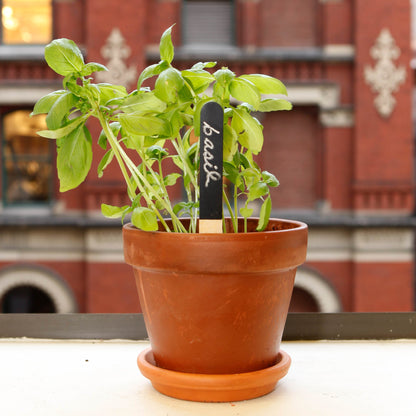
(116, 52)
(385, 78)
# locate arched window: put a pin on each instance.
(32, 289)
(313, 293)
(26, 299)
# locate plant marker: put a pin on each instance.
(210, 177)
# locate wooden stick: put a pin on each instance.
(210, 226)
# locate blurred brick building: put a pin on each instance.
(344, 155)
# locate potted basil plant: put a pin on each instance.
(214, 304)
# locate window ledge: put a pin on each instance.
(22, 52)
(48, 377)
(232, 53)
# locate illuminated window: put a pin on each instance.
(26, 160)
(208, 22)
(26, 21)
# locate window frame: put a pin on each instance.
(185, 17)
(29, 45)
(5, 203)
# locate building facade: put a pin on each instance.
(343, 155)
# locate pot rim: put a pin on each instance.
(297, 226)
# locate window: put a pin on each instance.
(209, 23)
(26, 22)
(26, 160)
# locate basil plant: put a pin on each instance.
(138, 126)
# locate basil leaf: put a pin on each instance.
(111, 211)
(105, 161)
(64, 56)
(245, 91)
(143, 103)
(265, 211)
(274, 105)
(248, 129)
(145, 219)
(151, 71)
(60, 109)
(168, 85)
(45, 103)
(257, 191)
(63, 131)
(166, 46)
(74, 158)
(266, 84)
(144, 125)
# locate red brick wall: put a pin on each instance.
(383, 146)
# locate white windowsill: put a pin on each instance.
(40, 377)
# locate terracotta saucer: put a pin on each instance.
(213, 387)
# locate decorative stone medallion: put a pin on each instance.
(385, 78)
(116, 52)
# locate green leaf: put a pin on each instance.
(230, 143)
(156, 152)
(110, 92)
(257, 191)
(91, 67)
(251, 177)
(245, 91)
(265, 210)
(171, 179)
(269, 179)
(143, 103)
(64, 56)
(144, 125)
(223, 76)
(45, 103)
(111, 211)
(168, 85)
(266, 84)
(166, 47)
(151, 71)
(105, 161)
(63, 131)
(232, 173)
(274, 105)
(74, 158)
(246, 212)
(199, 79)
(201, 65)
(60, 109)
(248, 129)
(145, 219)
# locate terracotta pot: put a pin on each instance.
(216, 303)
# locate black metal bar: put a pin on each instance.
(299, 326)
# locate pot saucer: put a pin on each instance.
(213, 387)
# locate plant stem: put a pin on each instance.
(230, 210)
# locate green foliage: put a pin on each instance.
(145, 120)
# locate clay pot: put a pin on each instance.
(216, 303)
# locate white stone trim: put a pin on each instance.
(27, 95)
(381, 245)
(321, 290)
(339, 51)
(339, 117)
(326, 96)
(60, 293)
